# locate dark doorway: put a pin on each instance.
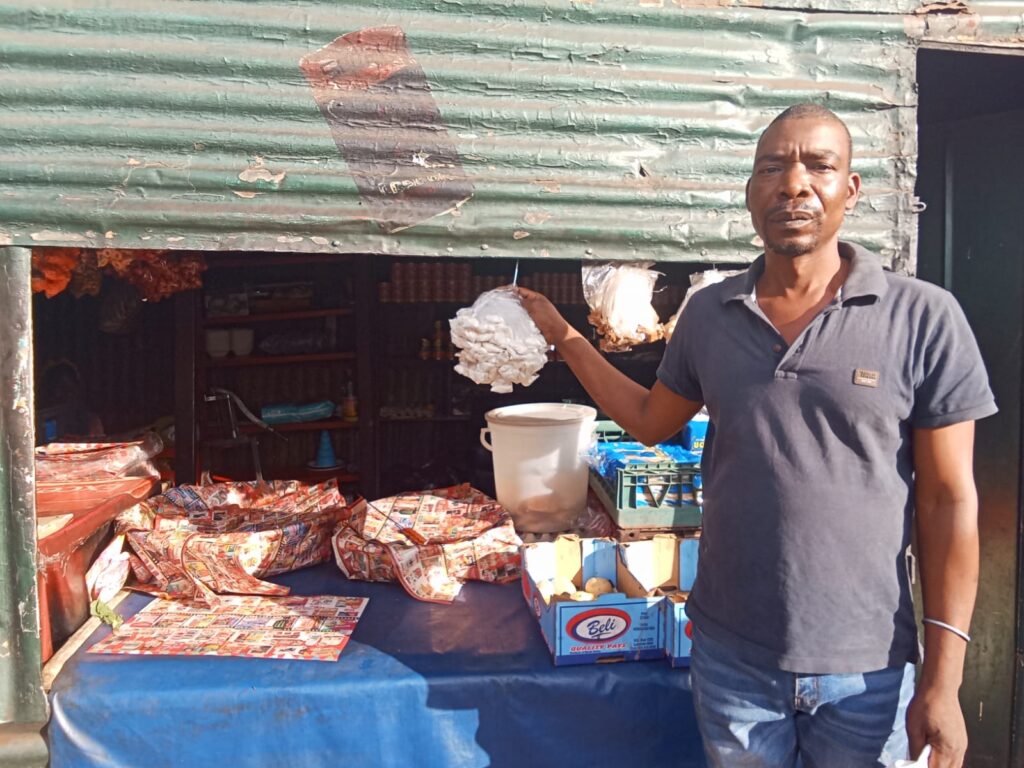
(970, 167)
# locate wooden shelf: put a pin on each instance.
(424, 420)
(250, 360)
(300, 426)
(306, 473)
(416, 359)
(267, 317)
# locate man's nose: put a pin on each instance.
(795, 182)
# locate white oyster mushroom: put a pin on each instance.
(498, 342)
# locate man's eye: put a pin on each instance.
(769, 169)
(824, 167)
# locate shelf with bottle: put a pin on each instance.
(436, 418)
(286, 331)
(454, 282)
(268, 317)
(301, 426)
(258, 360)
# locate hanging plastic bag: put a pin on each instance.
(498, 343)
(698, 281)
(619, 296)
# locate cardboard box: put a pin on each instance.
(664, 567)
(626, 625)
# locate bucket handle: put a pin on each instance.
(484, 433)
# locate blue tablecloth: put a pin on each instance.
(420, 685)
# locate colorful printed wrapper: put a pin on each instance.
(196, 542)
(303, 628)
(429, 541)
(62, 463)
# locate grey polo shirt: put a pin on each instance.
(807, 465)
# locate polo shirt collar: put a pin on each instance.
(866, 277)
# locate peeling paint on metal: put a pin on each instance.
(259, 172)
(57, 236)
(996, 24)
(371, 79)
(950, 6)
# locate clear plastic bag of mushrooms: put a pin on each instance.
(498, 343)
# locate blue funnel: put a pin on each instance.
(325, 458)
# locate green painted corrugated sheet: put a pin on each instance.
(609, 129)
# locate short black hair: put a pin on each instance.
(815, 112)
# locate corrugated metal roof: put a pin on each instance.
(613, 129)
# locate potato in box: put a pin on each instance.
(665, 567)
(614, 623)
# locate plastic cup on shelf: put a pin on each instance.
(242, 341)
(218, 342)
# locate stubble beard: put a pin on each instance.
(796, 246)
(791, 248)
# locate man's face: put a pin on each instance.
(801, 187)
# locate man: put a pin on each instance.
(842, 402)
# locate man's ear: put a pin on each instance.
(852, 190)
(746, 194)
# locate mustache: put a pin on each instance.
(783, 210)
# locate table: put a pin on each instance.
(420, 685)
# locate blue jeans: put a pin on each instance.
(764, 718)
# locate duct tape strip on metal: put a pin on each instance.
(612, 129)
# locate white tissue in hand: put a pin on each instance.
(921, 762)
(498, 342)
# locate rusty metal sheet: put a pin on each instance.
(543, 128)
(996, 26)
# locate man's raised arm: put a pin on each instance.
(649, 415)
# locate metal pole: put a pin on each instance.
(23, 705)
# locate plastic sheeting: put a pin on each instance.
(424, 685)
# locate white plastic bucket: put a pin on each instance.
(540, 468)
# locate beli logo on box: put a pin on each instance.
(600, 625)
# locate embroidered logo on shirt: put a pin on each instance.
(865, 378)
